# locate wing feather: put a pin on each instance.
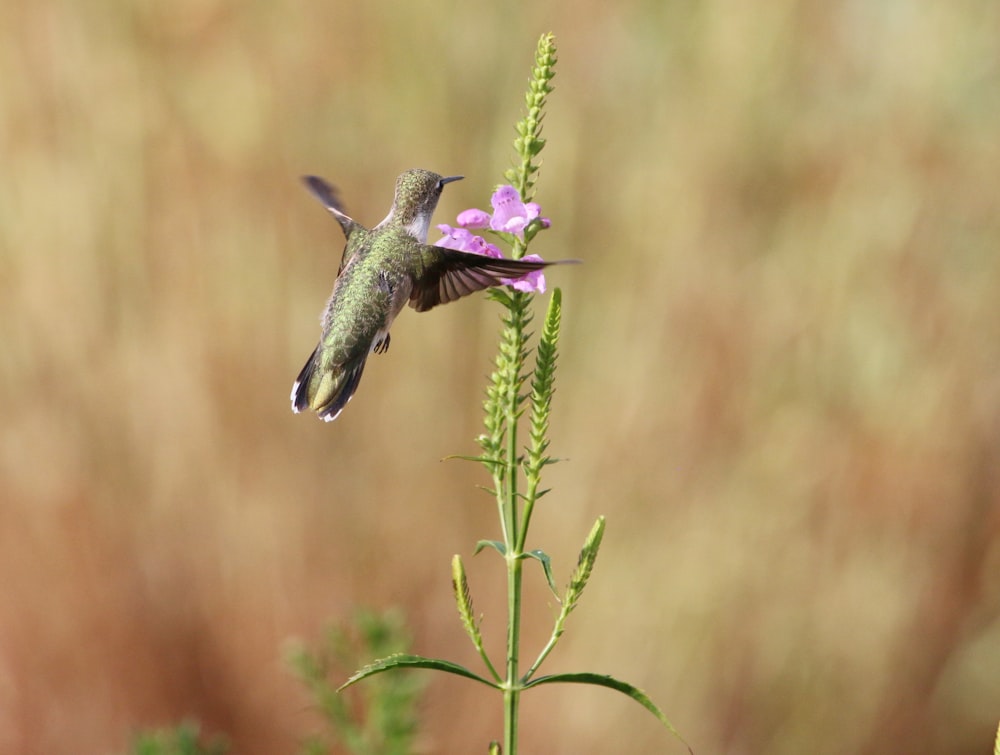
(455, 274)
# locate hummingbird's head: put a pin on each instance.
(417, 194)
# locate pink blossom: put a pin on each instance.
(474, 219)
(463, 240)
(510, 214)
(533, 281)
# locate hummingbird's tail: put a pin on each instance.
(326, 392)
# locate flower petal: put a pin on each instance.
(457, 238)
(510, 214)
(507, 207)
(474, 218)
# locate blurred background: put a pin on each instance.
(780, 370)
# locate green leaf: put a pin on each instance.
(405, 660)
(543, 558)
(481, 459)
(496, 545)
(601, 680)
(499, 295)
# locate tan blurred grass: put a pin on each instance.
(779, 377)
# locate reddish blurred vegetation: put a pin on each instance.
(780, 373)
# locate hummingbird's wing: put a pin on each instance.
(326, 194)
(450, 274)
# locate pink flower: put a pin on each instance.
(534, 281)
(510, 214)
(474, 219)
(464, 241)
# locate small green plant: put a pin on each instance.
(516, 471)
(380, 721)
(383, 720)
(184, 739)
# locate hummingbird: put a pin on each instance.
(382, 270)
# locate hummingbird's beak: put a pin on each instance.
(449, 179)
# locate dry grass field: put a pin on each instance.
(779, 377)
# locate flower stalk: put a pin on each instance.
(528, 144)
(512, 391)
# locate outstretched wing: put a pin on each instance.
(449, 274)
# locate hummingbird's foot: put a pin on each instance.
(382, 346)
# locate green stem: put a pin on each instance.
(506, 524)
(529, 507)
(528, 145)
(512, 687)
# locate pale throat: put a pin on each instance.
(418, 227)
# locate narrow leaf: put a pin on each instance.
(405, 660)
(496, 545)
(543, 558)
(600, 680)
(499, 295)
(481, 459)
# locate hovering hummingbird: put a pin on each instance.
(381, 270)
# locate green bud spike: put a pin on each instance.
(584, 566)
